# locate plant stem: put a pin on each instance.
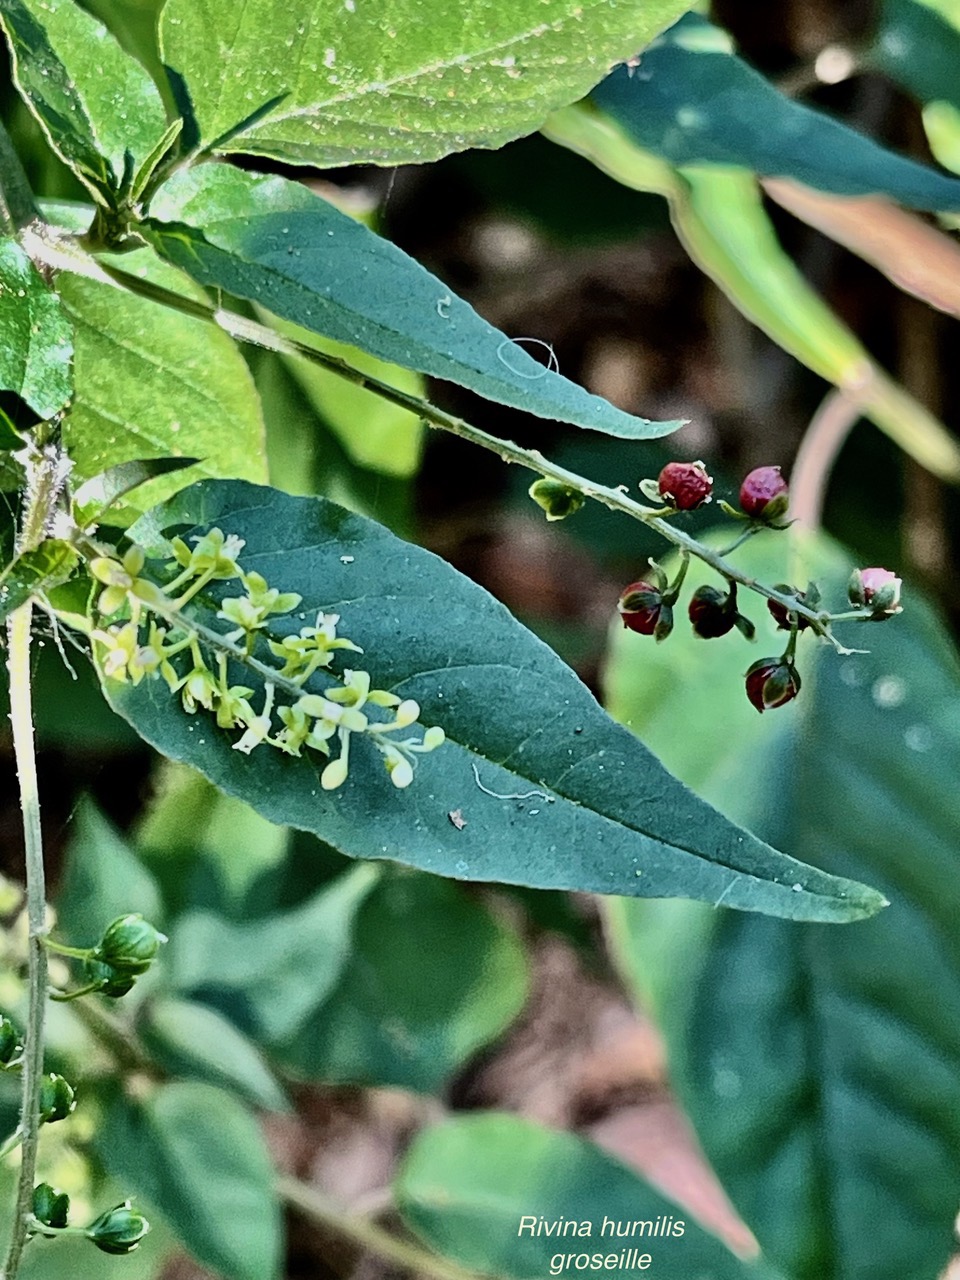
(315, 1205)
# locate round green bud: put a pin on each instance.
(119, 1230)
(57, 1098)
(11, 1045)
(129, 943)
(50, 1206)
(110, 981)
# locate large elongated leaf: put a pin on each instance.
(692, 101)
(276, 243)
(152, 383)
(100, 110)
(344, 82)
(481, 1189)
(822, 1071)
(552, 792)
(197, 1154)
(36, 344)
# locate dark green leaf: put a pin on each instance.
(345, 82)
(191, 1039)
(36, 343)
(821, 1067)
(103, 879)
(693, 102)
(274, 242)
(919, 47)
(552, 793)
(34, 572)
(469, 1185)
(283, 967)
(98, 107)
(198, 1155)
(431, 978)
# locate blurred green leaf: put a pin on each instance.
(347, 83)
(719, 216)
(36, 342)
(284, 966)
(466, 1187)
(153, 383)
(103, 879)
(917, 45)
(197, 1154)
(692, 101)
(272, 241)
(190, 1039)
(99, 109)
(553, 793)
(822, 1071)
(431, 978)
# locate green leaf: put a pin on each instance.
(284, 966)
(36, 343)
(431, 978)
(100, 110)
(152, 383)
(103, 879)
(35, 572)
(695, 102)
(197, 1154)
(347, 83)
(553, 793)
(274, 242)
(190, 1039)
(469, 1187)
(821, 1068)
(917, 45)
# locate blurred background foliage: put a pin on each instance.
(820, 1066)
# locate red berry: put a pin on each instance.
(712, 613)
(685, 485)
(642, 609)
(781, 613)
(764, 493)
(771, 682)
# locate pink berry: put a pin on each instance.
(878, 588)
(685, 485)
(764, 493)
(771, 682)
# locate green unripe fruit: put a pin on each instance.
(129, 943)
(50, 1206)
(10, 1044)
(118, 1230)
(110, 981)
(57, 1099)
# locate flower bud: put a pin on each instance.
(712, 613)
(876, 588)
(764, 494)
(51, 1207)
(111, 982)
(10, 1044)
(782, 614)
(118, 1230)
(685, 485)
(641, 606)
(771, 682)
(57, 1098)
(129, 943)
(557, 500)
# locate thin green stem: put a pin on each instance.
(61, 949)
(748, 533)
(313, 1204)
(10, 1144)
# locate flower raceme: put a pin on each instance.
(139, 646)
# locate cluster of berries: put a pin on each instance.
(647, 606)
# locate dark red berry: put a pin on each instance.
(764, 493)
(712, 613)
(771, 682)
(685, 485)
(781, 613)
(642, 609)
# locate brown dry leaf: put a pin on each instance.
(915, 256)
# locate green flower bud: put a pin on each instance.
(129, 943)
(51, 1207)
(10, 1044)
(119, 1230)
(557, 500)
(111, 982)
(57, 1098)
